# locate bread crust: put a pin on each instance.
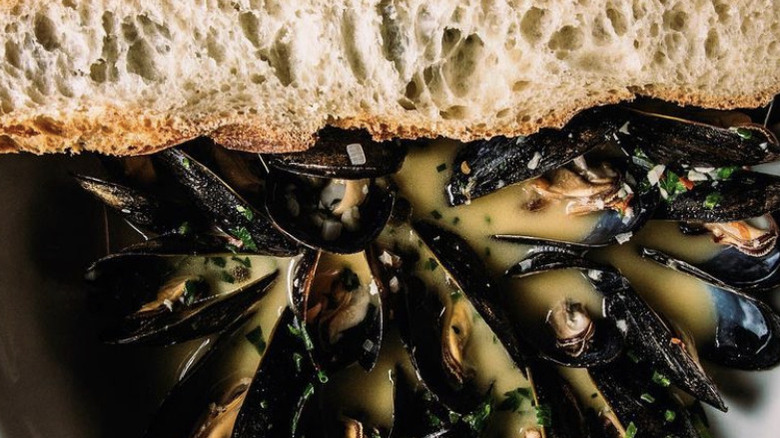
(115, 131)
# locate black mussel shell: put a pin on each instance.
(744, 195)
(374, 213)
(139, 208)
(500, 161)
(556, 396)
(281, 386)
(342, 154)
(416, 411)
(646, 333)
(230, 212)
(672, 140)
(747, 331)
(470, 274)
(193, 321)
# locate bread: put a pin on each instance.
(134, 76)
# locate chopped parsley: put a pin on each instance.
(190, 291)
(298, 361)
(441, 167)
(248, 214)
(712, 200)
(744, 133)
(219, 261)
(514, 399)
(725, 172)
(669, 416)
(185, 162)
(242, 234)
(255, 337)
(631, 430)
(302, 334)
(244, 262)
(436, 215)
(647, 398)
(488, 219)
(456, 295)
(184, 228)
(431, 264)
(477, 420)
(322, 377)
(487, 251)
(660, 379)
(672, 184)
(227, 277)
(455, 220)
(544, 415)
(307, 393)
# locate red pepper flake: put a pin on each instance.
(686, 182)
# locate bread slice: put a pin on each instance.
(135, 76)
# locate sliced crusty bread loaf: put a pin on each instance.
(134, 76)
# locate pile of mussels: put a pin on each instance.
(230, 211)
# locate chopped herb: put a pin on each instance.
(488, 219)
(441, 167)
(647, 398)
(631, 430)
(487, 251)
(307, 392)
(544, 415)
(455, 220)
(185, 162)
(264, 404)
(245, 261)
(661, 379)
(349, 279)
(431, 264)
(302, 334)
(725, 172)
(712, 200)
(436, 215)
(184, 228)
(456, 295)
(298, 360)
(672, 184)
(190, 291)
(323, 378)
(454, 417)
(594, 395)
(701, 426)
(514, 399)
(219, 261)
(248, 214)
(477, 420)
(495, 339)
(242, 234)
(434, 421)
(669, 416)
(745, 133)
(255, 337)
(226, 277)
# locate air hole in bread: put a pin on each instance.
(618, 21)
(455, 112)
(712, 44)
(250, 25)
(46, 32)
(534, 24)
(566, 38)
(141, 60)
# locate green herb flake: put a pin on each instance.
(725, 172)
(487, 251)
(647, 398)
(349, 279)
(544, 415)
(455, 220)
(255, 337)
(456, 295)
(302, 334)
(514, 399)
(298, 361)
(495, 339)
(436, 215)
(264, 404)
(631, 430)
(744, 133)
(307, 393)
(488, 219)
(660, 379)
(701, 426)
(454, 417)
(431, 264)
(226, 277)
(242, 234)
(669, 416)
(184, 228)
(190, 291)
(219, 261)
(248, 214)
(322, 377)
(477, 420)
(434, 421)
(245, 262)
(441, 167)
(712, 200)
(671, 183)
(186, 162)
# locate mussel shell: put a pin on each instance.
(201, 244)
(623, 384)
(671, 140)
(414, 408)
(200, 319)
(374, 213)
(744, 195)
(229, 211)
(567, 419)
(747, 331)
(645, 332)
(279, 390)
(470, 274)
(329, 157)
(606, 345)
(500, 161)
(141, 209)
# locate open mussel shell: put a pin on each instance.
(484, 166)
(291, 202)
(342, 154)
(668, 139)
(743, 195)
(192, 321)
(358, 341)
(747, 331)
(225, 207)
(467, 270)
(141, 209)
(201, 244)
(281, 386)
(646, 333)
